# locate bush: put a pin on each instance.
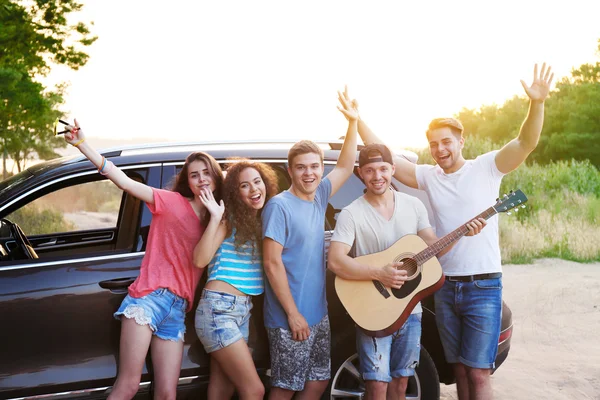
(35, 222)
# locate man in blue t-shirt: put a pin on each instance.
(294, 260)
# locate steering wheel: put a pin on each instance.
(23, 244)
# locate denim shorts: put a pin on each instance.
(293, 362)
(393, 356)
(162, 310)
(468, 316)
(222, 319)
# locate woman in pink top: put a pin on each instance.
(153, 313)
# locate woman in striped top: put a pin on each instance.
(231, 248)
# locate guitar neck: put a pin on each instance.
(450, 238)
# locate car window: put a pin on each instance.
(92, 205)
(283, 178)
(350, 191)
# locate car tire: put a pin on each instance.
(346, 382)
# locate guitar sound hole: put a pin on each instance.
(411, 268)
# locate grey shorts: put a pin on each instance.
(295, 362)
(222, 319)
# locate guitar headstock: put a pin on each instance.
(512, 200)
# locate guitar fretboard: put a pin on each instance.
(449, 239)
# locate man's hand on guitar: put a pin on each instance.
(298, 326)
(476, 226)
(392, 276)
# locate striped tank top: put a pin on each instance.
(238, 267)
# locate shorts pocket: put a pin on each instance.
(221, 307)
(489, 284)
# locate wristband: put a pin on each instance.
(106, 168)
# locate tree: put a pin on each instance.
(34, 35)
(571, 124)
(587, 73)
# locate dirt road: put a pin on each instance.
(555, 351)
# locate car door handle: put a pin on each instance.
(121, 283)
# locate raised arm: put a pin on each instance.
(405, 170)
(215, 232)
(345, 164)
(517, 150)
(275, 271)
(76, 138)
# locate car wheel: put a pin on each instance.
(348, 384)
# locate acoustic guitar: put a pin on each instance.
(380, 310)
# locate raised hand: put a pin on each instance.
(74, 134)
(208, 200)
(349, 107)
(540, 88)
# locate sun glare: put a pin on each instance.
(205, 70)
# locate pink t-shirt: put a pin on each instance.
(174, 232)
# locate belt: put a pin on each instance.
(471, 278)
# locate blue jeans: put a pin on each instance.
(222, 319)
(468, 316)
(162, 310)
(393, 356)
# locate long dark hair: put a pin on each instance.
(247, 225)
(182, 187)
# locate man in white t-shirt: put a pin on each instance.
(370, 224)
(469, 305)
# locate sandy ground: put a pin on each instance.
(91, 220)
(555, 350)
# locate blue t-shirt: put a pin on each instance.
(298, 225)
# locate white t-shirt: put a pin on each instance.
(455, 199)
(361, 226)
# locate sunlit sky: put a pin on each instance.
(230, 70)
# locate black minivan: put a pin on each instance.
(71, 242)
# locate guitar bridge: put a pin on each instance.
(381, 289)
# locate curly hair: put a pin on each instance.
(247, 225)
(180, 182)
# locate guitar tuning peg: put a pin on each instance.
(508, 213)
(505, 196)
(497, 199)
(517, 209)
(523, 206)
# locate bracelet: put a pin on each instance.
(108, 165)
(78, 143)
